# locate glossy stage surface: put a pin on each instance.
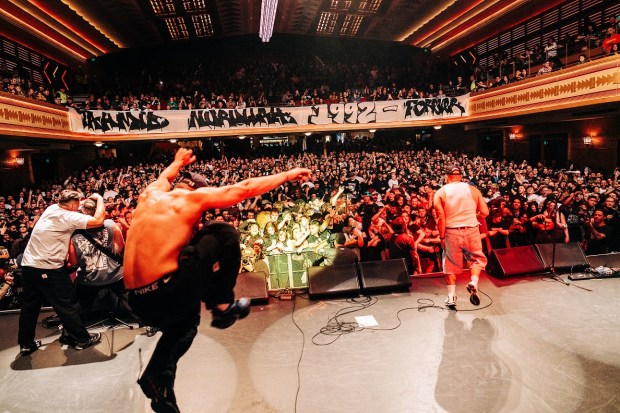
(533, 345)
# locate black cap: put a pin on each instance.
(453, 170)
(340, 238)
(194, 180)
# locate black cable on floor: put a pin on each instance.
(335, 327)
(557, 278)
(140, 363)
(301, 354)
(364, 302)
(480, 308)
(338, 328)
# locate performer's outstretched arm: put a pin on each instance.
(225, 196)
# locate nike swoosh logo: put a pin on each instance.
(167, 279)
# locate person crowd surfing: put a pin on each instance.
(171, 264)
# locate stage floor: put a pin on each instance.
(533, 345)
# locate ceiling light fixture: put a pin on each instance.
(94, 20)
(424, 20)
(18, 21)
(458, 19)
(308, 133)
(372, 130)
(479, 23)
(39, 10)
(242, 137)
(267, 19)
(98, 144)
(437, 127)
(172, 140)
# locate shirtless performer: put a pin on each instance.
(170, 266)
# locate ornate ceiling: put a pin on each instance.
(72, 31)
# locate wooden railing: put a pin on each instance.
(582, 85)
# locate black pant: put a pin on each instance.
(208, 271)
(56, 288)
(87, 294)
(175, 309)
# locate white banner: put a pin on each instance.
(184, 121)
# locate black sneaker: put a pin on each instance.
(150, 331)
(473, 294)
(161, 393)
(30, 348)
(66, 340)
(94, 339)
(236, 311)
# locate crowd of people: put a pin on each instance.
(358, 201)
(364, 202)
(272, 79)
(504, 67)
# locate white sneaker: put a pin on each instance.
(450, 303)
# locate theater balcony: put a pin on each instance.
(570, 114)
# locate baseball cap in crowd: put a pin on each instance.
(339, 238)
(453, 170)
(193, 180)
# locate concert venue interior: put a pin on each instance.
(376, 97)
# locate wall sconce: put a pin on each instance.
(308, 133)
(19, 161)
(98, 144)
(512, 136)
(587, 140)
(172, 140)
(437, 127)
(372, 130)
(242, 137)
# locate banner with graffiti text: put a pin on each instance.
(184, 121)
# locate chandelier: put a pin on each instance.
(267, 18)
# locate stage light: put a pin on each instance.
(512, 136)
(172, 141)
(267, 19)
(437, 127)
(308, 133)
(242, 137)
(372, 130)
(98, 144)
(587, 140)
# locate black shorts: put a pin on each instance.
(208, 269)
